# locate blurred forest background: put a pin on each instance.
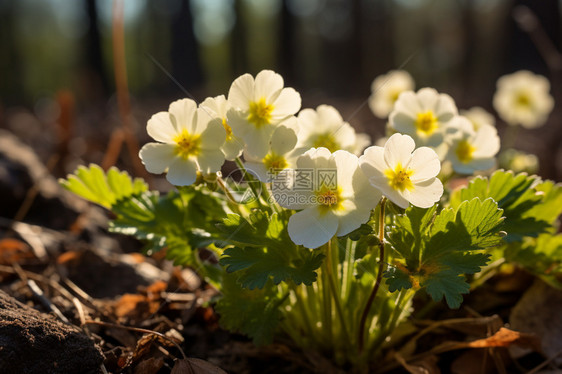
(57, 82)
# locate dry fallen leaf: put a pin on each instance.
(14, 251)
(506, 338)
(195, 366)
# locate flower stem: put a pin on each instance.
(336, 295)
(363, 320)
(250, 179)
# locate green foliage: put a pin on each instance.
(102, 188)
(439, 248)
(541, 256)
(255, 313)
(530, 206)
(264, 250)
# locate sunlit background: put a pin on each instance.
(58, 54)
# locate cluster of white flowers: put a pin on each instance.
(260, 120)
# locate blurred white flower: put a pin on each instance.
(479, 117)
(337, 201)
(385, 90)
(190, 141)
(281, 155)
(325, 127)
(471, 150)
(402, 176)
(523, 98)
(258, 106)
(423, 115)
(217, 107)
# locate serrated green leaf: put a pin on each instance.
(446, 284)
(529, 205)
(397, 279)
(261, 264)
(255, 313)
(105, 189)
(439, 249)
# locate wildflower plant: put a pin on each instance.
(332, 245)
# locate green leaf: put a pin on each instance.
(255, 313)
(261, 264)
(438, 249)
(102, 188)
(530, 207)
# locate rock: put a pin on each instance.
(32, 342)
(538, 312)
(20, 170)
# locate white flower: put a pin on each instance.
(258, 106)
(325, 127)
(281, 155)
(385, 90)
(522, 98)
(217, 107)
(337, 201)
(190, 141)
(479, 117)
(471, 150)
(423, 115)
(402, 176)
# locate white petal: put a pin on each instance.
(283, 140)
(487, 142)
(311, 228)
(215, 106)
(232, 148)
(238, 123)
(210, 161)
(161, 128)
(426, 194)
(241, 92)
(394, 196)
(213, 134)
(352, 220)
(157, 157)
(257, 141)
(268, 86)
(346, 165)
(372, 162)
(183, 113)
(398, 149)
(287, 103)
(425, 164)
(182, 172)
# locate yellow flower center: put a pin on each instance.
(393, 95)
(326, 140)
(186, 144)
(274, 163)
(399, 178)
(228, 129)
(522, 99)
(464, 151)
(329, 198)
(426, 123)
(260, 113)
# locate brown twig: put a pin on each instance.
(123, 99)
(137, 329)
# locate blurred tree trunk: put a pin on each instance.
(11, 88)
(186, 66)
(239, 41)
(287, 43)
(95, 80)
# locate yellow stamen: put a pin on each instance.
(274, 163)
(228, 129)
(426, 123)
(329, 198)
(464, 151)
(399, 178)
(187, 144)
(260, 113)
(326, 140)
(522, 99)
